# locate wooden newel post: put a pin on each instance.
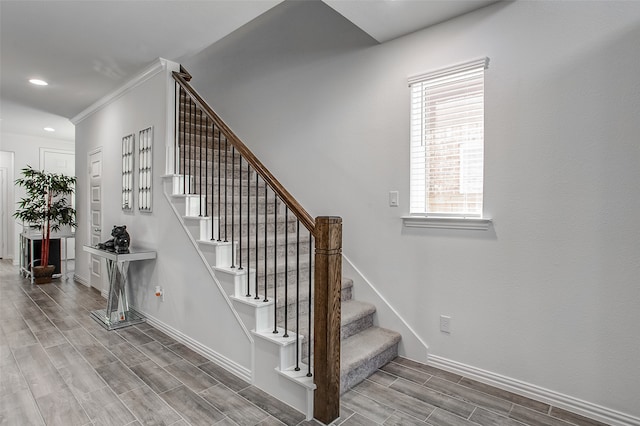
(326, 338)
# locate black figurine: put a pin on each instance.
(120, 241)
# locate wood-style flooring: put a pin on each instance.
(60, 367)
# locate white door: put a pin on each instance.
(95, 221)
(4, 214)
(61, 161)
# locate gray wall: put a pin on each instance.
(193, 308)
(549, 295)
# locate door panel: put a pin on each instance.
(95, 206)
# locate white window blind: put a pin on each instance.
(447, 141)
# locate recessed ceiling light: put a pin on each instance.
(38, 82)
(50, 129)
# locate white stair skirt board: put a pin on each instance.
(578, 406)
(273, 356)
(291, 387)
(223, 294)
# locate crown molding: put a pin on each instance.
(153, 69)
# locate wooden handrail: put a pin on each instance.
(327, 270)
(307, 220)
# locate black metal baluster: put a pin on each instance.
(275, 265)
(200, 160)
(219, 183)
(298, 296)
(286, 271)
(206, 166)
(257, 296)
(213, 179)
(265, 243)
(226, 210)
(176, 114)
(248, 231)
(233, 204)
(190, 140)
(240, 210)
(184, 146)
(310, 323)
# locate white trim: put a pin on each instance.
(469, 223)
(44, 151)
(381, 298)
(556, 399)
(209, 268)
(484, 62)
(81, 280)
(224, 362)
(156, 67)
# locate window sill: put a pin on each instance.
(476, 224)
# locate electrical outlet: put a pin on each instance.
(445, 324)
(159, 292)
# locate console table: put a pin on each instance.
(117, 314)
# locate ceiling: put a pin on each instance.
(87, 48)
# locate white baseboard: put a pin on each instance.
(556, 399)
(81, 280)
(229, 365)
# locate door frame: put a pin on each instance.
(4, 214)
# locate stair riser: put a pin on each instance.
(211, 187)
(211, 173)
(355, 327)
(291, 249)
(361, 372)
(241, 229)
(230, 208)
(346, 330)
(279, 278)
(195, 150)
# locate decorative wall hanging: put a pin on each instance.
(127, 172)
(145, 162)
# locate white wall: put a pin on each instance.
(26, 149)
(549, 295)
(192, 305)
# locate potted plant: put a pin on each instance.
(47, 207)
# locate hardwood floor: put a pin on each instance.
(59, 367)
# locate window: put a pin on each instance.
(447, 141)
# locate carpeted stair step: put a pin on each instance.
(356, 316)
(303, 301)
(365, 352)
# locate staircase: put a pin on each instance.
(262, 256)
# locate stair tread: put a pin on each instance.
(346, 283)
(353, 310)
(361, 347)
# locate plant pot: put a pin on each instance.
(43, 274)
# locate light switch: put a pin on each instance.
(393, 199)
